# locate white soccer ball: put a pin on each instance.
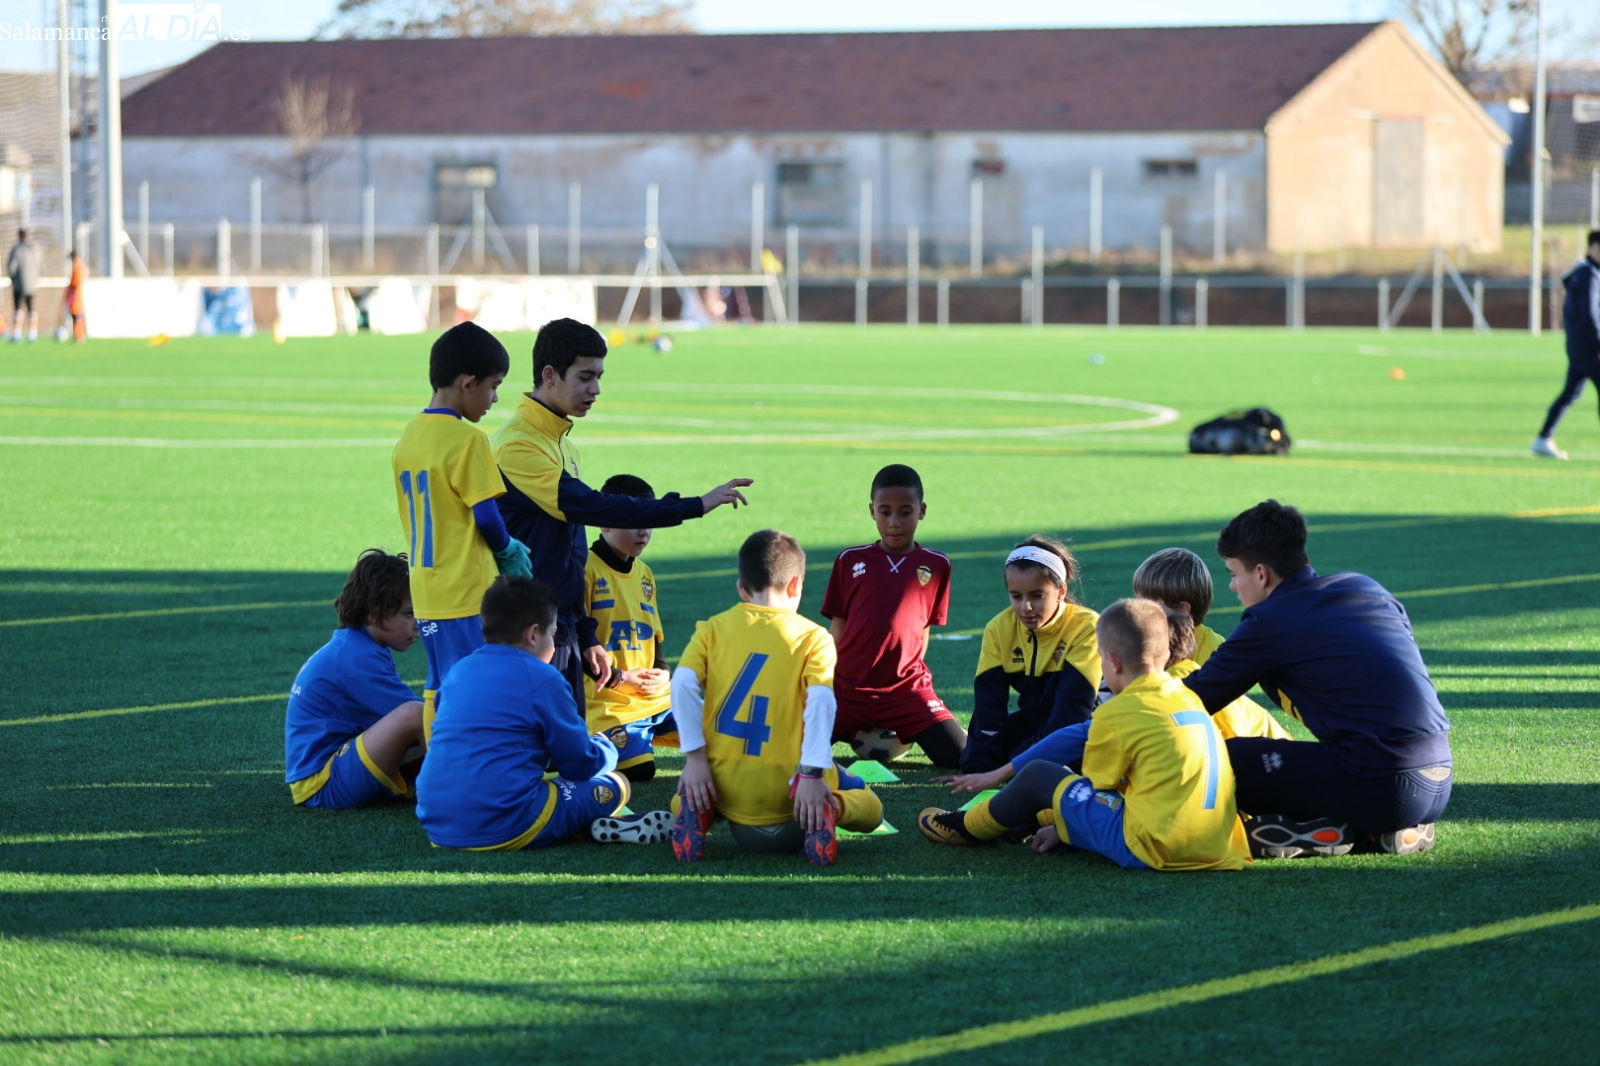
(662, 345)
(880, 745)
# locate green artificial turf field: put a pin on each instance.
(177, 520)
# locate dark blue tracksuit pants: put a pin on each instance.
(1577, 375)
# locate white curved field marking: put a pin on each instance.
(1461, 356)
(759, 431)
(209, 442)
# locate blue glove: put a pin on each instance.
(513, 559)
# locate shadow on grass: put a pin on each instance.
(199, 790)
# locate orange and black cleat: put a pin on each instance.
(1272, 836)
(822, 845)
(689, 831)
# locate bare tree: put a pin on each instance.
(317, 119)
(505, 18)
(1469, 36)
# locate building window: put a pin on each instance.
(454, 185)
(812, 194)
(466, 176)
(1171, 168)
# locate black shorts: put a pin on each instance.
(1304, 780)
(21, 301)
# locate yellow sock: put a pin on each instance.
(430, 702)
(860, 810)
(981, 824)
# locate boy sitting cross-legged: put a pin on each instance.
(351, 720)
(1156, 790)
(505, 720)
(1178, 579)
(753, 700)
(632, 707)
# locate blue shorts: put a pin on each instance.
(635, 741)
(569, 808)
(353, 780)
(1092, 820)
(448, 642)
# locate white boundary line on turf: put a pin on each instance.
(1156, 415)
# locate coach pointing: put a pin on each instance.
(1338, 653)
(546, 506)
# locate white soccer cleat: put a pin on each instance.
(1545, 447)
(650, 827)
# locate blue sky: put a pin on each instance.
(298, 19)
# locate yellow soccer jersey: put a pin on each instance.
(1155, 743)
(442, 469)
(755, 664)
(629, 625)
(1206, 641)
(1068, 639)
(1244, 717)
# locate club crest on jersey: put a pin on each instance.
(604, 794)
(924, 575)
(858, 569)
(1109, 799)
(647, 589)
(618, 735)
(1059, 654)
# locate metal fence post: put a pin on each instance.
(913, 274)
(533, 249)
(369, 227)
(861, 301)
(255, 224)
(224, 248)
(1036, 313)
(1165, 312)
(975, 237)
(1113, 303)
(792, 264)
(944, 301)
(574, 226)
(1219, 219)
(1096, 185)
(1027, 301)
(1479, 321)
(758, 223)
(864, 251)
(1383, 304)
(144, 223)
(1202, 298)
(1438, 291)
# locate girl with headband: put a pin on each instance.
(1043, 648)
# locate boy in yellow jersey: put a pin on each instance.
(1178, 579)
(446, 483)
(1156, 790)
(633, 706)
(753, 701)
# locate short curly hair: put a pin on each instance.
(375, 591)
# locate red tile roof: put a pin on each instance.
(1206, 78)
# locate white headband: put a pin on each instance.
(1047, 559)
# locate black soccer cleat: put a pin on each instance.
(650, 827)
(1272, 836)
(947, 827)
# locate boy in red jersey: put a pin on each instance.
(882, 600)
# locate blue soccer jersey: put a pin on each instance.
(505, 718)
(340, 693)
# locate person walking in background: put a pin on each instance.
(72, 299)
(24, 264)
(1580, 317)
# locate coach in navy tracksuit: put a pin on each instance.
(1580, 317)
(1337, 652)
